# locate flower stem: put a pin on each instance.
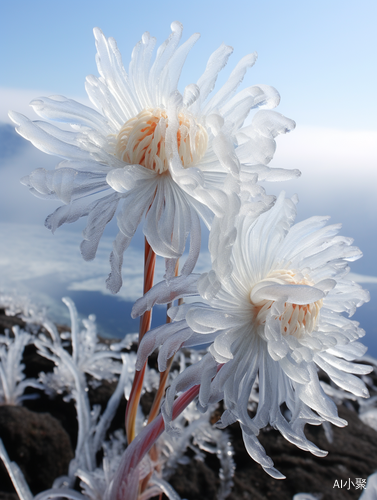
(145, 323)
(163, 375)
(149, 267)
(160, 392)
(144, 441)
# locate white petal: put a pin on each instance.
(116, 98)
(100, 213)
(164, 53)
(207, 81)
(45, 141)
(229, 88)
(208, 320)
(344, 380)
(258, 453)
(312, 394)
(190, 94)
(294, 372)
(156, 337)
(165, 292)
(124, 179)
(139, 68)
(171, 346)
(61, 109)
(294, 294)
(168, 80)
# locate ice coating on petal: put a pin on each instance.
(234, 80)
(215, 64)
(46, 141)
(296, 294)
(258, 453)
(59, 108)
(124, 179)
(165, 292)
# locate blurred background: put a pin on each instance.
(320, 56)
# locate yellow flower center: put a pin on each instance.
(141, 140)
(297, 319)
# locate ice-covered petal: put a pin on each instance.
(61, 109)
(165, 292)
(294, 294)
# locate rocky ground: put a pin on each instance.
(41, 436)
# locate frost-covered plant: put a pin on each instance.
(194, 431)
(16, 475)
(32, 314)
(13, 381)
(88, 356)
(195, 434)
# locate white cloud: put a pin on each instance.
(329, 159)
(29, 252)
(332, 152)
(339, 179)
(362, 278)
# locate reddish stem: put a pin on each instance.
(144, 441)
(145, 323)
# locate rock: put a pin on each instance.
(8, 322)
(8, 496)
(37, 443)
(195, 481)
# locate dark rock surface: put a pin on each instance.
(37, 443)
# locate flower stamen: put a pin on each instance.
(297, 319)
(141, 140)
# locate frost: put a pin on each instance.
(197, 434)
(13, 381)
(81, 360)
(16, 475)
(34, 316)
(88, 357)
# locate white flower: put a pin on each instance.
(273, 312)
(165, 155)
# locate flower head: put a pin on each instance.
(163, 154)
(273, 314)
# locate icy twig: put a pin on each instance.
(12, 378)
(16, 475)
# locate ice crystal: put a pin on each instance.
(13, 381)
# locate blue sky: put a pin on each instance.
(321, 56)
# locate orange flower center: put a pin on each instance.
(141, 140)
(297, 319)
